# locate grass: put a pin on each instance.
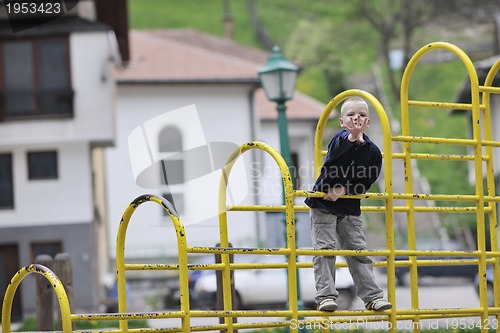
(202, 15)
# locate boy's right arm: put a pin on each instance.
(334, 193)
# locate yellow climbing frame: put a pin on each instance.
(293, 317)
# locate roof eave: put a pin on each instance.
(291, 119)
(189, 81)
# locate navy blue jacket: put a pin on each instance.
(350, 164)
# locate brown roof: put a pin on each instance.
(161, 56)
(188, 56)
(300, 107)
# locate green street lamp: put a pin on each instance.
(278, 80)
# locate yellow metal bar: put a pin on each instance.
(290, 225)
(442, 105)
(182, 258)
(406, 196)
(490, 171)
(416, 156)
(129, 315)
(489, 89)
(420, 156)
(379, 209)
(159, 267)
(488, 143)
(233, 250)
(405, 138)
(56, 284)
(476, 143)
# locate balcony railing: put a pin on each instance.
(17, 105)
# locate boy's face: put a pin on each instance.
(354, 114)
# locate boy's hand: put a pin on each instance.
(334, 193)
(357, 128)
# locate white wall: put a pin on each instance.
(225, 117)
(65, 200)
(92, 76)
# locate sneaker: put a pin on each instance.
(378, 304)
(328, 304)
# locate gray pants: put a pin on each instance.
(328, 231)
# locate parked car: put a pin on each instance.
(172, 298)
(489, 286)
(467, 271)
(265, 287)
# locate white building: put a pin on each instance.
(173, 69)
(57, 112)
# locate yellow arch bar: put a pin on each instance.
(289, 218)
(182, 257)
(56, 284)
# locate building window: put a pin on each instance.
(170, 146)
(35, 78)
(42, 165)
(6, 182)
(172, 166)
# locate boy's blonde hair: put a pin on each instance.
(353, 99)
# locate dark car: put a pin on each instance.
(467, 271)
(172, 299)
(489, 285)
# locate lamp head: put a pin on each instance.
(278, 77)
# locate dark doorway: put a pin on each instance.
(9, 265)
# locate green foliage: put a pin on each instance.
(202, 15)
(311, 81)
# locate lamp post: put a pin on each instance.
(278, 80)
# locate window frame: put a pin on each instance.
(64, 93)
(29, 164)
(174, 193)
(12, 197)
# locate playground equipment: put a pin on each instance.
(292, 317)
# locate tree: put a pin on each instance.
(391, 17)
(383, 15)
(311, 44)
